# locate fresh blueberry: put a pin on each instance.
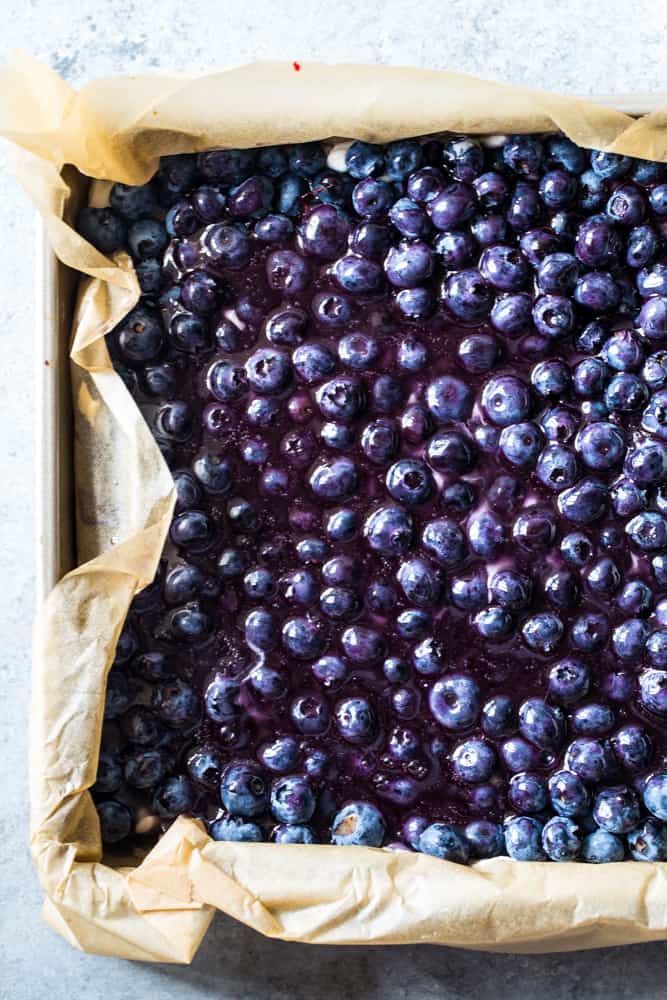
(442, 841)
(362, 644)
(455, 702)
(521, 443)
(288, 833)
(485, 839)
(527, 792)
(543, 632)
(506, 400)
(103, 228)
(601, 847)
(616, 809)
(144, 768)
(234, 828)
(629, 638)
(648, 841)
(115, 821)
(455, 248)
(468, 593)
(561, 839)
(358, 824)
(467, 295)
(591, 760)
(541, 724)
(523, 838)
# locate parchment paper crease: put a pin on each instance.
(160, 908)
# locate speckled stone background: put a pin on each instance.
(572, 46)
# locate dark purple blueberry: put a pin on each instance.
(590, 760)
(523, 838)
(653, 318)
(440, 840)
(616, 810)
(273, 229)
(535, 528)
(598, 243)
(512, 314)
(358, 824)
(175, 796)
(488, 230)
(542, 725)
(523, 154)
(144, 768)
(557, 188)
(527, 792)
(363, 159)
(103, 228)
(455, 702)
(648, 841)
(362, 644)
(448, 399)
(642, 246)
(192, 529)
(504, 268)
(226, 246)
(455, 248)
(557, 273)
(610, 165)
(524, 209)
(408, 264)
(115, 821)
(410, 481)
(389, 530)
(633, 748)
(598, 291)
(557, 467)
(306, 158)
(627, 205)
(521, 443)
(585, 502)
(209, 204)
(140, 336)
(371, 198)
(424, 184)
(323, 232)
(409, 218)
(453, 205)
(553, 316)
(287, 272)
(356, 720)
(243, 790)
(467, 295)
(358, 275)
(569, 680)
(280, 755)
(478, 353)
(370, 239)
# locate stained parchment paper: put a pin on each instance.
(159, 907)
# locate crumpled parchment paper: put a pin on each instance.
(159, 907)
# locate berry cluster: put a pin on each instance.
(414, 398)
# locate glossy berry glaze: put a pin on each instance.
(415, 404)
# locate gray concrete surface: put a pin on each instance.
(608, 46)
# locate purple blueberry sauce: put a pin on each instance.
(415, 587)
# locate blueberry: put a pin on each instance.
(568, 794)
(103, 228)
(629, 639)
(458, 497)
(453, 205)
(288, 833)
(541, 724)
(118, 695)
(625, 393)
(491, 188)
(622, 351)
(648, 841)
(489, 229)
(523, 154)
(174, 796)
(498, 716)
(408, 264)
(413, 623)
(333, 479)
(616, 809)
(234, 828)
(342, 525)
(205, 765)
(468, 593)
(444, 540)
(603, 577)
(140, 336)
(642, 246)
(557, 188)
(273, 229)
(653, 318)
(429, 657)
(467, 295)
(518, 755)
(389, 530)
(380, 597)
(424, 184)
(358, 824)
(648, 531)
(455, 248)
(358, 350)
(415, 303)
(646, 465)
(485, 839)
(504, 268)
(636, 597)
(412, 354)
(486, 534)
(584, 502)
(557, 467)
(524, 208)
(633, 747)
(115, 821)
(553, 315)
(144, 768)
(176, 703)
(387, 393)
(593, 191)
(442, 841)
(523, 838)
(654, 371)
(527, 792)
(561, 839)
(505, 400)
(362, 644)
(133, 201)
(478, 353)
(521, 443)
(339, 603)
(601, 847)
(109, 775)
(473, 761)
(654, 417)
(455, 702)
(410, 481)
(590, 759)
(363, 159)
(220, 698)
(543, 632)
(330, 671)
(409, 218)
(512, 314)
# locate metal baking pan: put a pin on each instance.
(55, 293)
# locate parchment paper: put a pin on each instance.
(160, 908)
